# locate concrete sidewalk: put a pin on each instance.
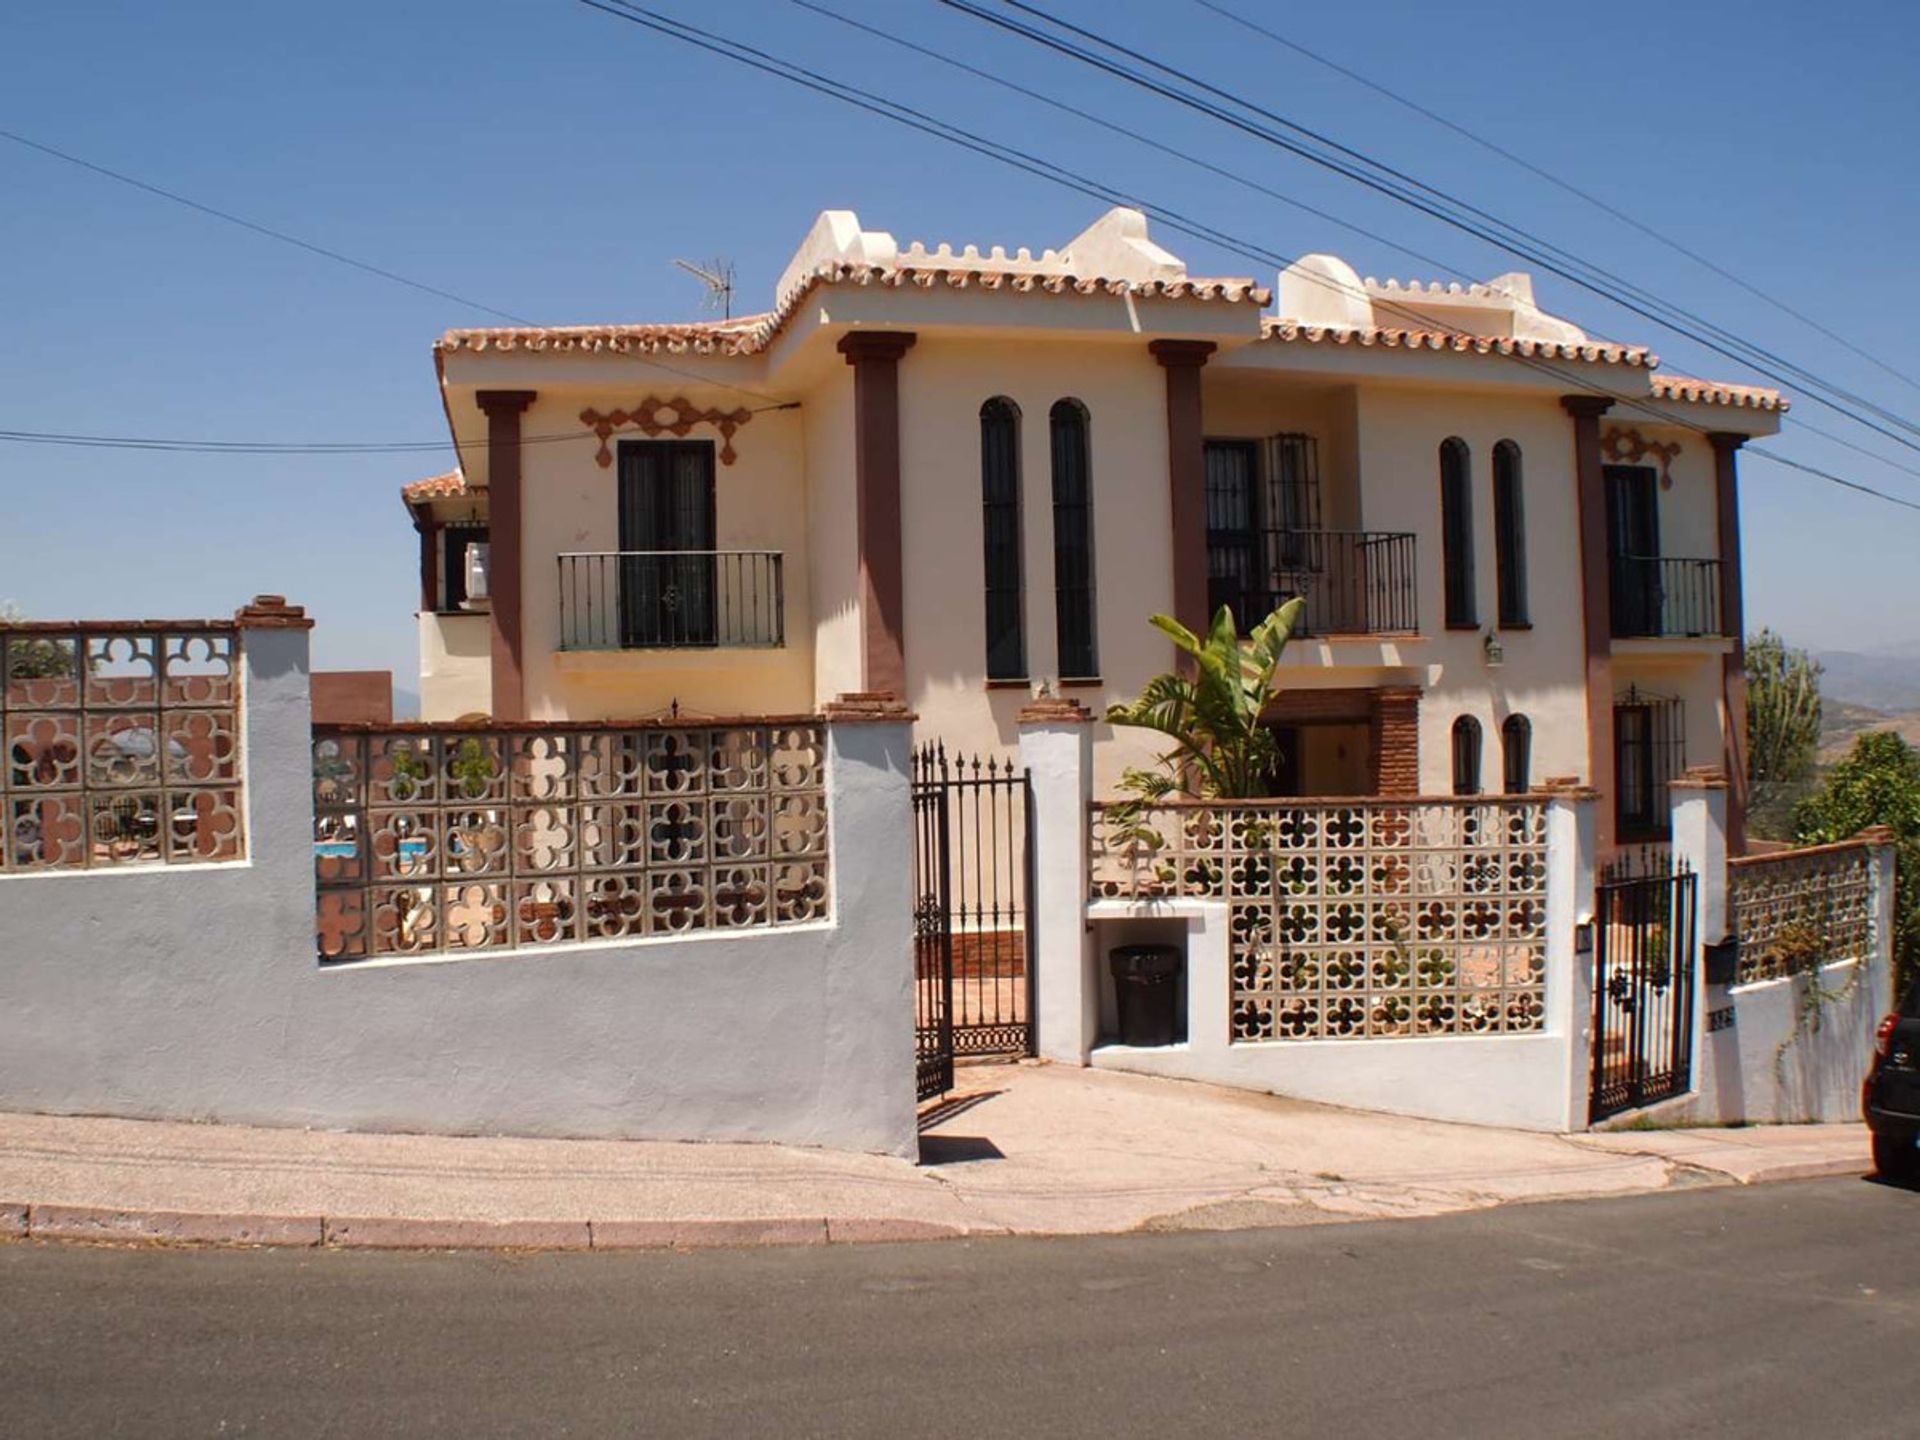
(1024, 1149)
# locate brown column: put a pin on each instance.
(1733, 665)
(503, 409)
(875, 358)
(1187, 476)
(1597, 599)
(1396, 741)
(429, 561)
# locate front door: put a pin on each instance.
(667, 591)
(1633, 544)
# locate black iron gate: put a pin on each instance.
(972, 933)
(1643, 986)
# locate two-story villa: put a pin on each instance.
(958, 476)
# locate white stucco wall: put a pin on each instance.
(192, 992)
(1543, 674)
(456, 665)
(569, 503)
(833, 551)
(944, 380)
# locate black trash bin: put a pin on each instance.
(1145, 988)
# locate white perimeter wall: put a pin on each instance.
(193, 993)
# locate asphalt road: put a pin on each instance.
(1789, 1310)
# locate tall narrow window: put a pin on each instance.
(1000, 529)
(1456, 533)
(1466, 756)
(1510, 533)
(1649, 752)
(1516, 754)
(1073, 542)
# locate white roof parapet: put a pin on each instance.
(1502, 306)
(835, 239)
(1114, 247)
(1323, 292)
(1117, 247)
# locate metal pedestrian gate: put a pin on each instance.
(972, 930)
(1643, 986)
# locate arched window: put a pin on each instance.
(1000, 529)
(1073, 607)
(1516, 754)
(1466, 756)
(1456, 534)
(1510, 533)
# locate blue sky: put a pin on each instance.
(545, 159)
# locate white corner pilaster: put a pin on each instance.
(1056, 748)
(869, 1039)
(1572, 851)
(1700, 845)
(276, 706)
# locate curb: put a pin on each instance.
(1808, 1170)
(98, 1224)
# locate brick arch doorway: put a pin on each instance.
(1347, 740)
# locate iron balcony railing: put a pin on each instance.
(672, 600)
(1355, 582)
(1659, 597)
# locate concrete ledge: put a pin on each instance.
(391, 1232)
(703, 1234)
(396, 1233)
(87, 1222)
(871, 1232)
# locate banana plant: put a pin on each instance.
(1221, 750)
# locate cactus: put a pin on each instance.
(1783, 724)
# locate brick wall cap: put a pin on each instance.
(867, 707)
(1700, 777)
(271, 612)
(1054, 710)
(1567, 787)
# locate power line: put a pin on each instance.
(294, 447)
(868, 101)
(1188, 157)
(267, 230)
(1625, 217)
(337, 256)
(1446, 208)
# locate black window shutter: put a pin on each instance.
(1073, 542)
(1510, 533)
(1000, 517)
(1466, 756)
(1456, 534)
(1516, 754)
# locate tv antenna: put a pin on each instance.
(717, 276)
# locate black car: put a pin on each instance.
(1891, 1096)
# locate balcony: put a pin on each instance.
(1658, 597)
(672, 600)
(1355, 582)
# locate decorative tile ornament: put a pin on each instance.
(1629, 447)
(654, 417)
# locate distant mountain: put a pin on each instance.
(1885, 678)
(406, 704)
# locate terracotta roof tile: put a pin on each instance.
(435, 487)
(1594, 351)
(751, 334)
(1712, 392)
